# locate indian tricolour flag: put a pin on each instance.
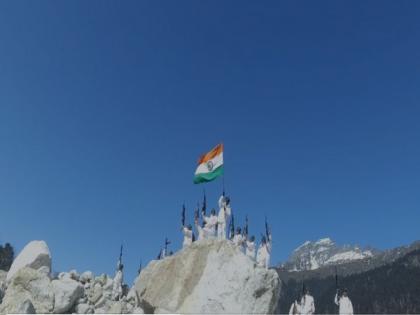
(210, 165)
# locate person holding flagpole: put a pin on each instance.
(223, 217)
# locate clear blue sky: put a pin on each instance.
(106, 106)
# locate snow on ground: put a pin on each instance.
(350, 255)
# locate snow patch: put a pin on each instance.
(346, 256)
(314, 263)
(303, 245)
(326, 240)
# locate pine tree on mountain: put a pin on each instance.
(6, 257)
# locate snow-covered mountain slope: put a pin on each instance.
(324, 252)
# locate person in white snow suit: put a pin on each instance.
(223, 217)
(250, 247)
(162, 254)
(210, 224)
(307, 304)
(344, 304)
(200, 229)
(188, 235)
(117, 289)
(294, 308)
(238, 238)
(264, 252)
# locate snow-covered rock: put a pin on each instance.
(355, 254)
(32, 285)
(35, 255)
(66, 292)
(210, 276)
(324, 252)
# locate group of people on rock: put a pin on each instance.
(306, 305)
(214, 226)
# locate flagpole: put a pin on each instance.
(223, 184)
(223, 176)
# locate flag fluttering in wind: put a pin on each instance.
(210, 165)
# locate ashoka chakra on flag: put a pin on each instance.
(210, 165)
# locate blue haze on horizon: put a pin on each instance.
(106, 106)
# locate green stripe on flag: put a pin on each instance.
(208, 177)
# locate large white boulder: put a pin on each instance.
(35, 255)
(32, 285)
(66, 293)
(210, 276)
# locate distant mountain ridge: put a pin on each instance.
(325, 252)
(386, 283)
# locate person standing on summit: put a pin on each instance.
(239, 239)
(188, 235)
(250, 247)
(264, 252)
(210, 223)
(223, 217)
(117, 290)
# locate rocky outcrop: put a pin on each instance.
(28, 288)
(35, 255)
(31, 291)
(28, 285)
(210, 276)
